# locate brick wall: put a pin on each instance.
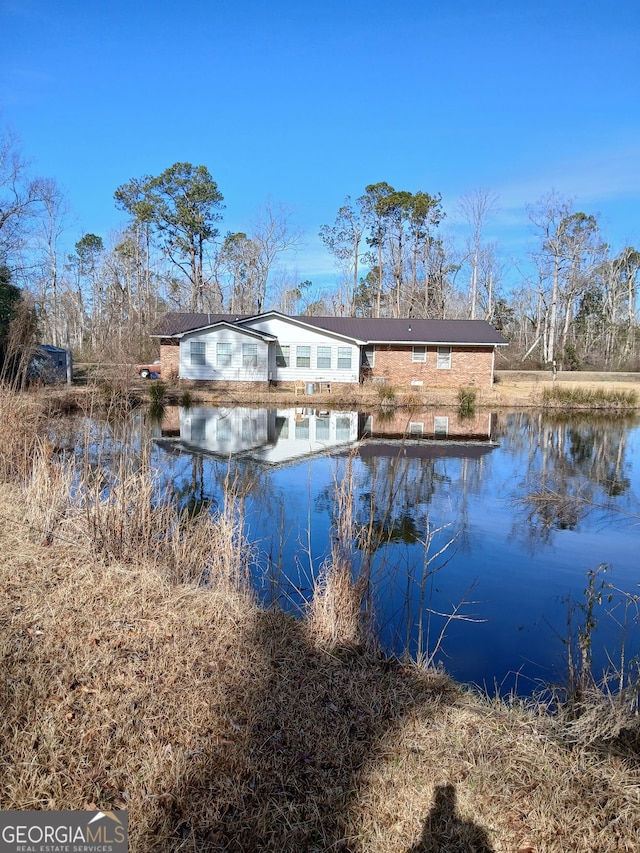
(170, 358)
(469, 366)
(397, 424)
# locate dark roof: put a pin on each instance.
(410, 330)
(177, 323)
(429, 449)
(372, 330)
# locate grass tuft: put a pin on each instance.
(591, 398)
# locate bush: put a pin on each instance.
(386, 393)
(186, 399)
(157, 392)
(467, 402)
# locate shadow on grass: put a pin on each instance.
(304, 727)
(445, 831)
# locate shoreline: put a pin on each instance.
(512, 389)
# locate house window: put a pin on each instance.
(444, 358)
(223, 355)
(368, 355)
(323, 358)
(303, 356)
(224, 431)
(416, 428)
(283, 432)
(344, 358)
(249, 355)
(323, 428)
(198, 352)
(419, 354)
(198, 429)
(343, 428)
(440, 427)
(283, 355)
(249, 429)
(302, 428)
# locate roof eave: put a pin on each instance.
(419, 343)
(235, 326)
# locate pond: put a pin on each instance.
(495, 520)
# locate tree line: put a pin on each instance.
(578, 306)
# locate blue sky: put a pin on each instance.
(309, 102)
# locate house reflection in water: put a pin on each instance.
(279, 436)
(428, 434)
(272, 436)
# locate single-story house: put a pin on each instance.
(273, 348)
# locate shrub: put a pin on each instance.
(467, 402)
(386, 393)
(186, 399)
(157, 392)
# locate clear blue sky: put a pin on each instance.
(308, 102)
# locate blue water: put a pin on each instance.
(510, 564)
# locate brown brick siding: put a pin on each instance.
(169, 358)
(396, 424)
(469, 366)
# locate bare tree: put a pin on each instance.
(274, 235)
(20, 198)
(54, 221)
(343, 239)
(570, 247)
(476, 207)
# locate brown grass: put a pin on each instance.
(220, 726)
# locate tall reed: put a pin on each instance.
(112, 499)
(22, 423)
(337, 614)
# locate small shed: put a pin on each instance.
(50, 364)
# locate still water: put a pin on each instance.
(495, 518)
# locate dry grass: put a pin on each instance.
(585, 397)
(22, 419)
(337, 613)
(222, 727)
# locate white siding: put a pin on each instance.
(293, 335)
(234, 372)
(224, 431)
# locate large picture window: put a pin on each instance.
(444, 358)
(323, 358)
(303, 356)
(198, 353)
(249, 355)
(223, 355)
(344, 358)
